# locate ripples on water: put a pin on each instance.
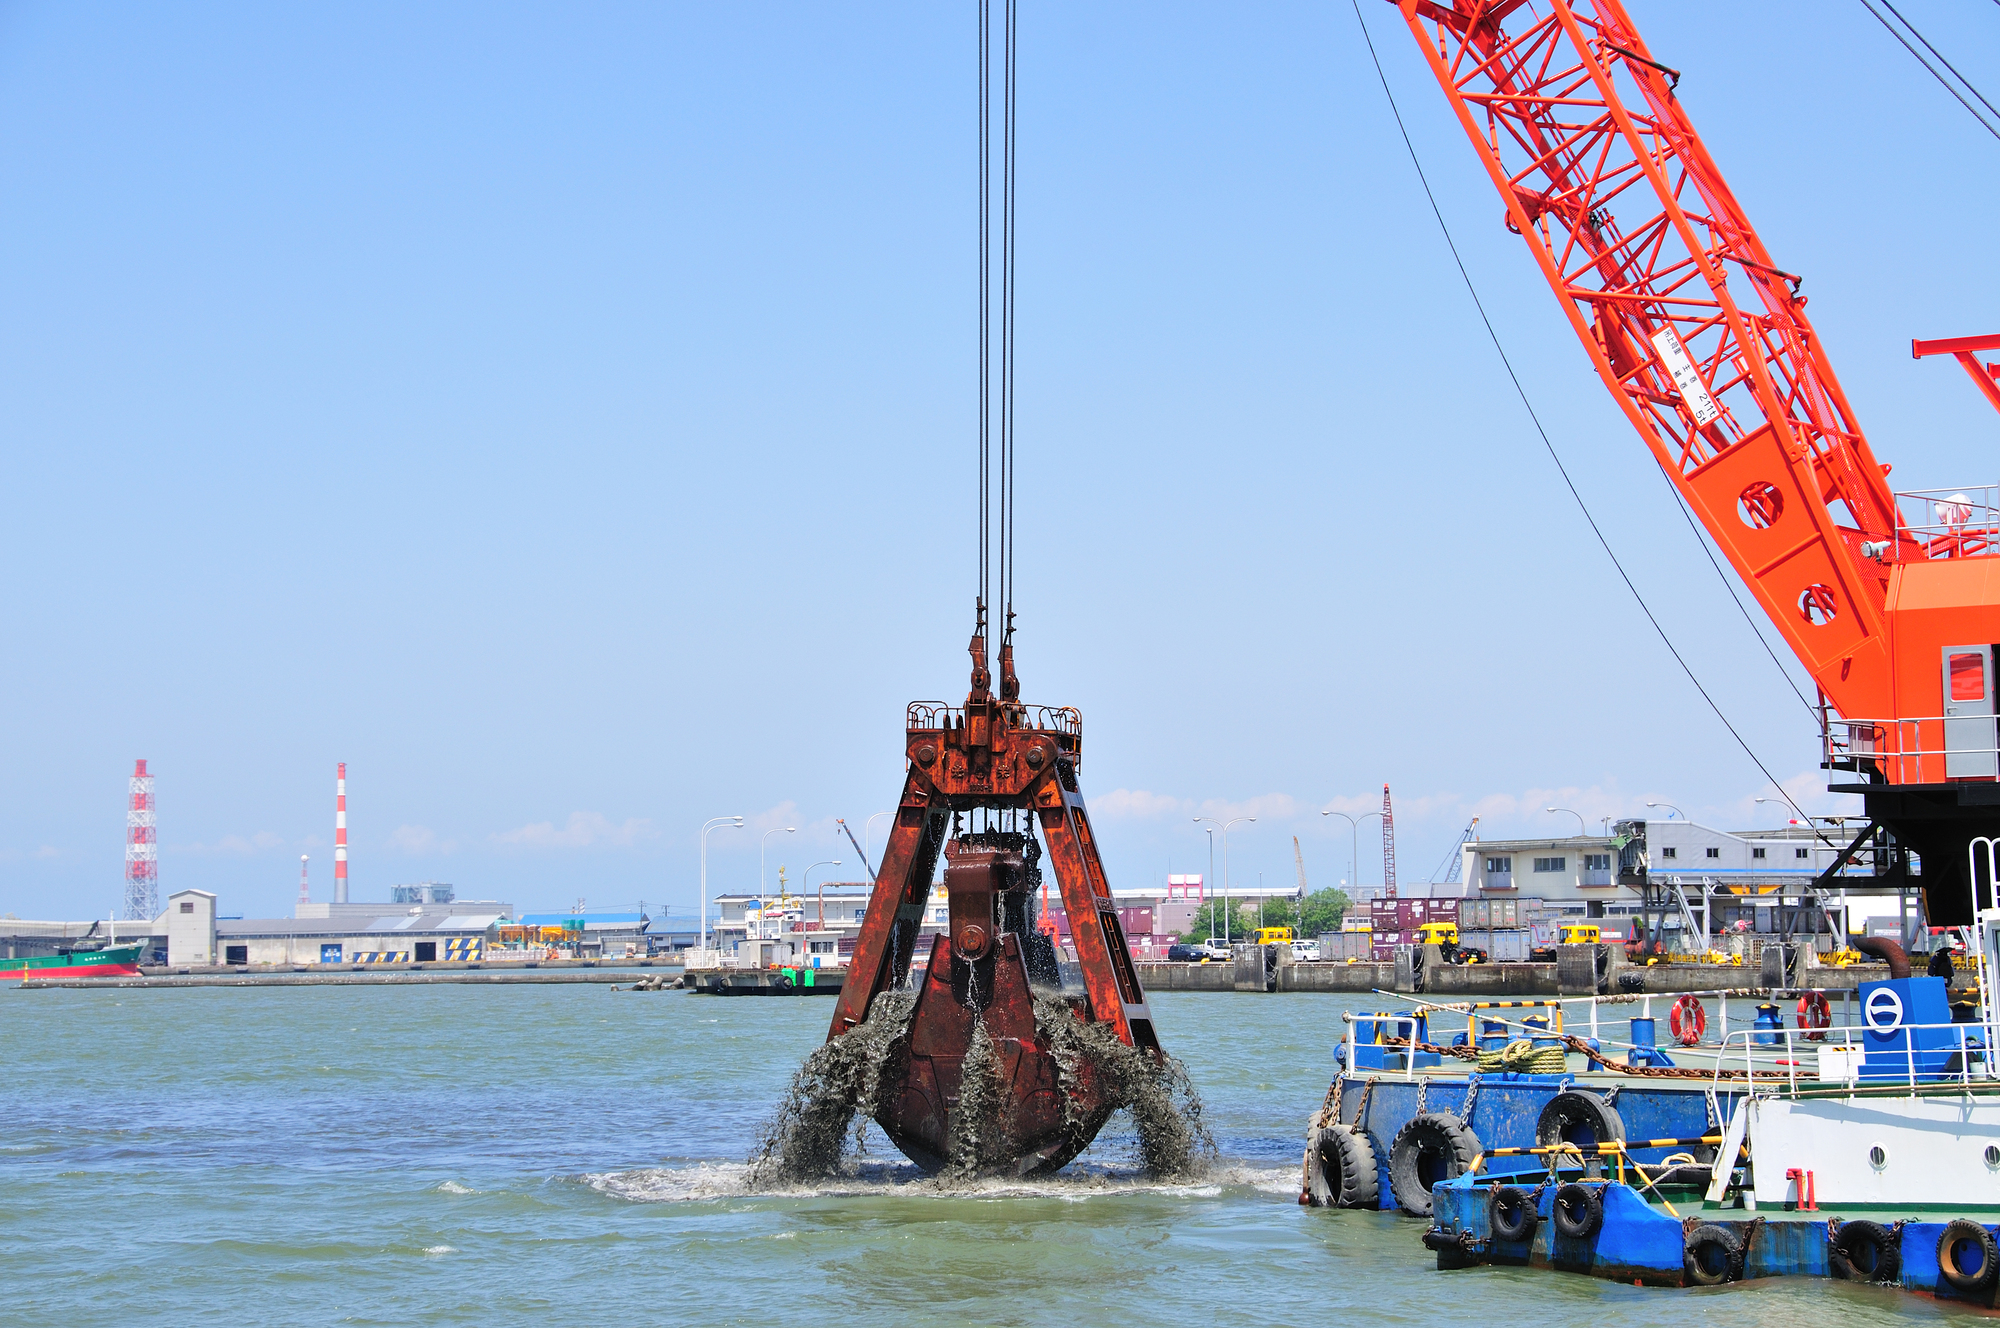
(571, 1155)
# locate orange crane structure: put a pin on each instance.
(1890, 601)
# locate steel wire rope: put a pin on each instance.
(985, 289)
(1522, 392)
(1942, 80)
(1729, 586)
(1006, 598)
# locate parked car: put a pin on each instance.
(1217, 950)
(1182, 954)
(1306, 952)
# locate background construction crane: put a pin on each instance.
(1888, 600)
(1388, 846)
(1447, 872)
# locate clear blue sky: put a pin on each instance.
(564, 415)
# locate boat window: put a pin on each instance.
(1968, 677)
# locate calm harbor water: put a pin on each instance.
(573, 1155)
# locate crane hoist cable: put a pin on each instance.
(1984, 123)
(996, 563)
(1522, 392)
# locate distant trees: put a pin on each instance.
(1322, 910)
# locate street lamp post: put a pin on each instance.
(1582, 830)
(1670, 807)
(735, 822)
(1226, 910)
(866, 841)
(1354, 829)
(1208, 881)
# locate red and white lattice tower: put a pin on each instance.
(340, 835)
(1388, 846)
(142, 861)
(305, 892)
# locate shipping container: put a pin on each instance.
(1336, 945)
(1502, 945)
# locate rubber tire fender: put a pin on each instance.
(1436, 1134)
(1511, 1214)
(1696, 1268)
(1573, 1107)
(1843, 1247)
(1340, 1168)
(1579, 1210)
(1967, 1280)
(783, 982)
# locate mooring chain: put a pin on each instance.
(1471, 1097)
(1423, 1092)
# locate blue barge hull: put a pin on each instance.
(1503, 1109)
(1637, 1243)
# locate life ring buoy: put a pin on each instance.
(1815, 1015)
(1687, 1020)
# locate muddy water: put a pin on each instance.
(567, 1155)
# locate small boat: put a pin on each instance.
(111, 961)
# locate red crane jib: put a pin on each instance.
(1704, 343)
(998, 755)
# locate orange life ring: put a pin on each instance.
(1687, 1020)
(1815, 1015)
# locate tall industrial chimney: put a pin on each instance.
(142, 849)
(340, 836)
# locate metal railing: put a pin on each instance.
(1967, 1040)
(1952, 523)
(1907, 751)
(1065, 721)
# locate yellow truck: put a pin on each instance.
(1444, 935)
(1276, 936)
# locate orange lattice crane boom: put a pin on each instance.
(1704, 343)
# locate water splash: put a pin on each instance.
(805, 1140)
(1174, 1141)
(977, 1127)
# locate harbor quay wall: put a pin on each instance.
(1495, 981)
(428, 966)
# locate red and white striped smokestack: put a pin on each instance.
(340, 835)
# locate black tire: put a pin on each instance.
(1864, 1252)
(1711, 1256)
(1510, 1213)
(1967, 1257)
(1579, 1210)
(1578, 1117)
(1340, 1169)
(1430, 1148)
(783, 982)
